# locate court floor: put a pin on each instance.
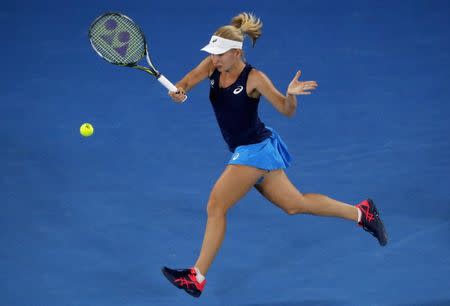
(90, 221)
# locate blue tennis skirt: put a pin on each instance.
(269, 154)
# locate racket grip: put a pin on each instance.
(167, 84)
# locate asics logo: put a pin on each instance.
(235, 156)
(238, 90)
(184, 282)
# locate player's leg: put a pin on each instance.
(232, 185)
(279, 190)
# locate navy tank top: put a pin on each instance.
(236, 112)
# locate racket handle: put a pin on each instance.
(167, 84)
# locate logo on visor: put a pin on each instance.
(238, 90)
(214, 40)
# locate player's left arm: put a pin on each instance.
(285, 104)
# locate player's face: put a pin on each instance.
(226, 61)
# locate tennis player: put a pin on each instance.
(259, 154)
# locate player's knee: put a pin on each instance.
(290, 211)
(294, 210)
(296, 207)
(215, 207)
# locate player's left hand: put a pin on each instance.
(297, 87)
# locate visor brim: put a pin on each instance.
(214, 49)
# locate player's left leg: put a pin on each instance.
(279, 190)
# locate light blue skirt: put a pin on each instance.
(269, 154)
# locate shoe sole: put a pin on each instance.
(384, 236)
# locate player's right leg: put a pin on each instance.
(232, 185)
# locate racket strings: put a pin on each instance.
(117, 39)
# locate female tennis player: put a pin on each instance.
(259, 154)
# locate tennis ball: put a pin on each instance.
(86, 129)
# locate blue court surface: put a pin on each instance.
(90, 221)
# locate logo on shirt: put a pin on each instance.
(212, 83)
(235, 156)
(238, 90)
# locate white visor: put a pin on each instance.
(219, 45)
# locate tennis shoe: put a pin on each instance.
(185, 279)
(371, 221)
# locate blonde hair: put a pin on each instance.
(242, 24)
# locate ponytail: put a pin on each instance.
(242, 24)
(249, 25)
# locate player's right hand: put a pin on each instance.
(178, 96)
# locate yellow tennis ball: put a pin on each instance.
(86, 129)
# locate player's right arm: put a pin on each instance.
(195, 76)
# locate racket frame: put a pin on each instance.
(150, 69)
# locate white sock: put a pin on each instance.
(359, 214)
(200, 278)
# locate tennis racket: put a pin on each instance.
(119, 40)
